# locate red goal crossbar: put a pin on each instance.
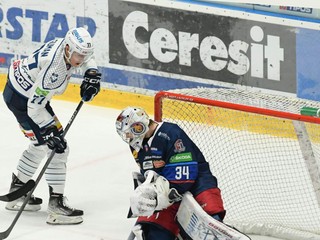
(164, 94)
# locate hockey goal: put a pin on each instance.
(264, 153)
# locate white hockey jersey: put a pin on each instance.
(41, 76)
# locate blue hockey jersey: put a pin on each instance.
(172, 154)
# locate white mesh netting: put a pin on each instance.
(267, 166)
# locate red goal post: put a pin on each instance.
(265, 154)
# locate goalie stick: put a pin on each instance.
(7, 232)
(9, 197)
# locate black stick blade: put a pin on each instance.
(19, 192)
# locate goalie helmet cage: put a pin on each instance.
(264, 153)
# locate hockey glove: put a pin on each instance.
(90, 85)
(143, 200)
(154, 194)
(54, 139)
(165, 195)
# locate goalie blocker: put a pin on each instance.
(198, 225)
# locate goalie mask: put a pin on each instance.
(80, 44)
(132, 125)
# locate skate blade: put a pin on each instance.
(16, 205)
(56, 219)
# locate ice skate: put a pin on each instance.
(34, 203)
(61, 214)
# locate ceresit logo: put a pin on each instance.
(214, 54)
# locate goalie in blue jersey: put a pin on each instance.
(170, 165)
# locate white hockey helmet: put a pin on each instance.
(79, 41)
(132, 125)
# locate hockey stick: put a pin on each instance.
(6, 233)
(9, 197)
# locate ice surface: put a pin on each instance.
(98, 180)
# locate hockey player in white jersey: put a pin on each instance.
(31, 84)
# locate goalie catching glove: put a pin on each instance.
(90, 85)
(154, 194)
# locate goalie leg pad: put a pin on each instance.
(200, 226)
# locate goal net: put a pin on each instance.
(264, 153)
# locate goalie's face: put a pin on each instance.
(132, 126)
